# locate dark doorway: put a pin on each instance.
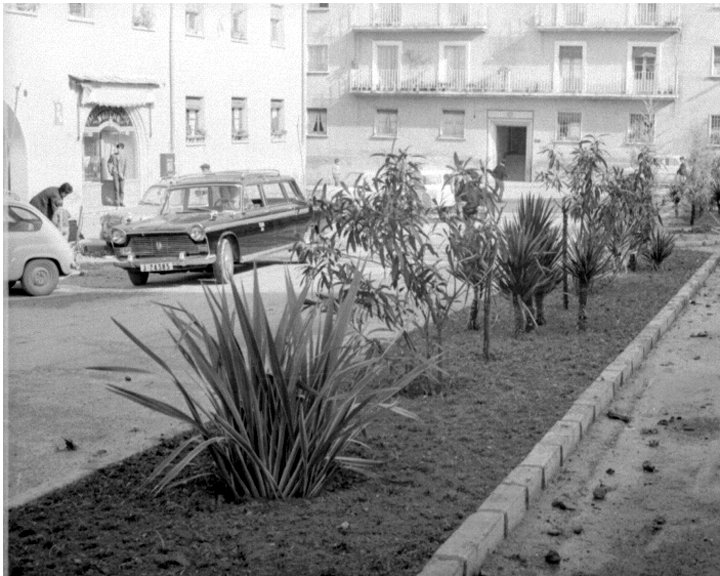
(512, 147)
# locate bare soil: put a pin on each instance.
(436, 472)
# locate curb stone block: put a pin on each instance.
(531, 477)
(583, 415)
(436, 567)
(599, 394)
(511, 501)
(470, 544)
(566, 435)
(614, 375)
(547, 457)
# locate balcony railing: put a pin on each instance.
(519, 80)
(600, 16)
(419, 16)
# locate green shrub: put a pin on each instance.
(281, 407)
(659, 247)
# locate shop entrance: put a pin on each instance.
(511, 146)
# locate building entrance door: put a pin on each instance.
(511, 146)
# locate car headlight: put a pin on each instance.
(118, 236)
(197, 233)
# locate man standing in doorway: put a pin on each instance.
(117, 166)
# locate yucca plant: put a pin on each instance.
(588, 261)
(281, 407)
(659, 247)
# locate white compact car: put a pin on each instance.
(37, 252)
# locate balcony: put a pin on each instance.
(604, 17)
(533, 81)
(419, 17)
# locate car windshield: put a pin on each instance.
(192, 199)
(154, 195)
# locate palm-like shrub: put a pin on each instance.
(659, 247)
(281, 408)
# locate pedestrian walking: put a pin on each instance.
(336, 172)
(682, 172)
(117, 166)
(51, 199)
(500, 175)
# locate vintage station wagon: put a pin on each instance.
(212, 221)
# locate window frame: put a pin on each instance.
(383, 135)
(318, 7)
(277, 9)
(442, 62)
(446, 112)
(376, 78)
(714, 135)
(243, 134)
(137, 7)
(199, 134)
(557, 69)
(326, 59)
(570, 139)
(715, 61)
(280, 132)
(13, 8)
(87, 15)
(653, 129)
(630, 64)
(234, 8)
(200, 31)
(323, 112)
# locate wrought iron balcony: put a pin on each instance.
(637, 16)
(539, 81)
(392, 17)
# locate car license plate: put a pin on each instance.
(156, 267)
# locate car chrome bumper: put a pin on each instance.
(178, 264)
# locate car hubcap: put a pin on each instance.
(40, 277)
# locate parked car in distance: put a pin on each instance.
(148, 207)
(37, 252)
(437, 193)
(212, 221)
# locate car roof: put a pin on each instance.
(232, 176)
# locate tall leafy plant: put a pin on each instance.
(279, 408)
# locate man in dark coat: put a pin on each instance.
(50, 199)
(117, 166)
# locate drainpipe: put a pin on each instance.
(303, 109)
(171, 64)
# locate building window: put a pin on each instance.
(386, 65)
(79, 11)
(716, 61)
(647, 14)
(238, 18)
(193, 19)
(318, 58)
(571, 68)
(317, 121)
(644, 59)
(238, 111)
(453, 124)
(641, 129)
(386, 123)
(568, 126)
(143, 17)
(715, 130)
(573, 14)
(277, 27)
(277, 119)
(318, 7)
(22, 8)
(387, 15)
(194, 120)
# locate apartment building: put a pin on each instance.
(178, 84)
(505, 81)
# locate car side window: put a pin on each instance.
(292, 191)
(227, 197)
(253, 199)
(198, 197)
(274, 193)
(21, 220)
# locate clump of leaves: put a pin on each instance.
(281, 407)
(659, 247)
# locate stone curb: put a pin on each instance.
(464, 552)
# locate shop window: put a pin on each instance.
(568, 126)
(277, 26)
(277, 119)
(193, 20)
(715, 61)
(29, 8)
(386, 123)
(641, 129)
(238, 18)
(317, 121)
(715, 130)
(453, 124)
(318, 58)
(143, 17)
(239, 120)
(194, 120)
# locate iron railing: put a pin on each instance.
(635, 15)
(419, 16)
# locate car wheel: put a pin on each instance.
(138, 278)
(40, 277)
(11, 283)
(224, 265)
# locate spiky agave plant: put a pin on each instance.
(281, 407)
(659, 247)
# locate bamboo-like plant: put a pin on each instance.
(281, 407)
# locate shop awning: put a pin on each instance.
(115, 90)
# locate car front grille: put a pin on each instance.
(165, 245)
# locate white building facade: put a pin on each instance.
(178, 84)
(506, 81)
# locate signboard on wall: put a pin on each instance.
(167, 165)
